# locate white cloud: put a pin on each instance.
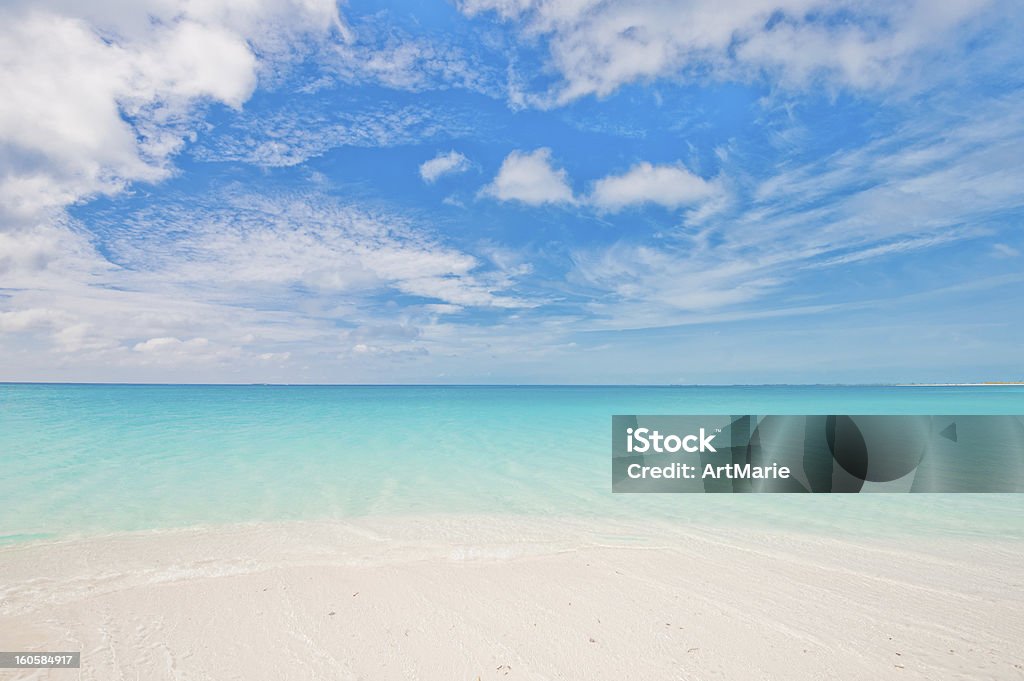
(171, 351)
(33, 318)
(307, 129)
(443, 308)
(924, 186)
(54, 248)
(443, 164)
(170, 344)
(99, 95)
(531, 179)
(670, 186)
(642, 286)
(251, 245)
(1005, 251)
(404, 62)
(599, 46)
(255, 275)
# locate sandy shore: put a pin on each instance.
(459, 598)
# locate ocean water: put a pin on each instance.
(95, 459)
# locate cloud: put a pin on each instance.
(597, 47)
(394, 59)
(257, 275)
(306, 128)
(269, 246)
(671, 186)
(443, 164)
(99, 95)
(170, 344)
(34, 318)
(44, 249)
(531, 179)
(172, 351)
(669, 280)
(389, 340)
(259, 281)
(924, 186)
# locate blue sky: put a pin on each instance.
(511, 191)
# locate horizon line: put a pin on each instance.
(903, 384)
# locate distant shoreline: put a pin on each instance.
(957, 385)
(522, 385)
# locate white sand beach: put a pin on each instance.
(466, 598)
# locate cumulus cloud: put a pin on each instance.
(597, 47)
(443, 164)
(530, 178)
(99, 95)
(670, 186)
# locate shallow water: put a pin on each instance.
(94, 459)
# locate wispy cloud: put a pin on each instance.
(307, 129)
(244, 277)
(1005, 251)
(387, 56)
(247, 243)
(919, 188)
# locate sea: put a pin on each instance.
(86, 460)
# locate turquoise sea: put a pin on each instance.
(94, 459)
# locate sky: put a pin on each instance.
(512, 191)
